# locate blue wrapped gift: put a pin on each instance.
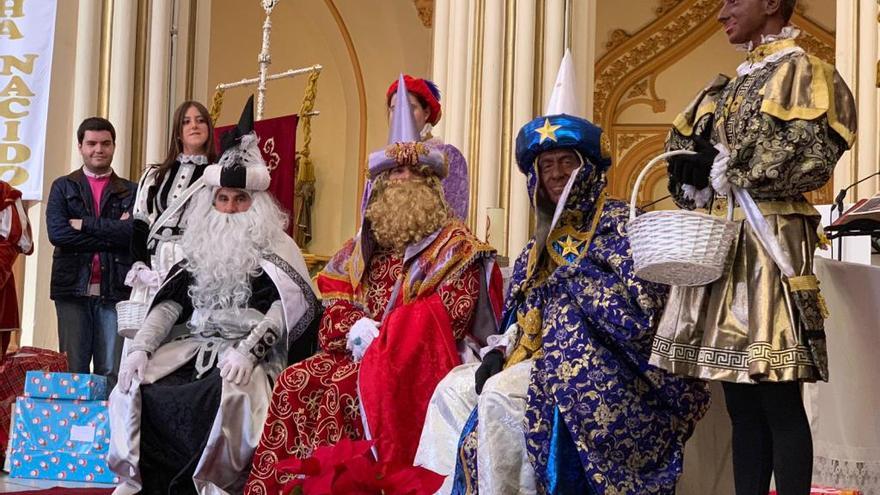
(73, 386)
(60, 440)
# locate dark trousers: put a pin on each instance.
(86, 333)
(771, 435)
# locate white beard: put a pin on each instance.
(223, 251)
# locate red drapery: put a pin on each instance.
(278, 146)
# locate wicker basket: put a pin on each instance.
(678, 247)
(130, 314)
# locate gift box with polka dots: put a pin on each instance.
(74, 386)
(60, 439)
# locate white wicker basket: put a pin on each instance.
(678, 247)
(130, 314)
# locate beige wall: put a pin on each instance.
(38, 314)
(655, 89)
(387, 37)
(640, 13)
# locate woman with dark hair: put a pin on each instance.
(164, 192)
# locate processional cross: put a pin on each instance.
(305, 180)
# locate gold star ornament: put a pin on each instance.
(547, 131)
(570, 246)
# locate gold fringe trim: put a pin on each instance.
(804, 282)
(406, 153)
(823, 307)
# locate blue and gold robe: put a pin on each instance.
(599, 418)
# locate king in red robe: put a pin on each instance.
(15, 238)
(413, 295)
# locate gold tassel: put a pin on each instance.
(216, 106)
(824, 242)
(304, 193)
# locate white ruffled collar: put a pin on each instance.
(771, 49)
(194, 159)
(789, 32)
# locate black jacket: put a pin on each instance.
(107, 235)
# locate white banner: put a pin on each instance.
(27, 32)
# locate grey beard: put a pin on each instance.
(222, 258)
(223, 251)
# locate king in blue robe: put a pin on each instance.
(576, 408)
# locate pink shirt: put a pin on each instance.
(97, 183)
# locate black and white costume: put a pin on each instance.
(188, 412)
(159, 212)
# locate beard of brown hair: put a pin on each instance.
(402, 212)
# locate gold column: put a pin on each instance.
(857, 47)
(583, 49)
(103, 109)
(554, 47)
(86, 81)
(439, 56)
(507, 132)
(159, 101)
(473, 146)
(136, 160)
(538, 82)
(191, 47)
(525, 86)
(121, 89)
(867, 98)
(488, 100)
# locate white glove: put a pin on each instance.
(135, 363)
(718, 173)
(360, 336)
(141, 272)
(504, 342)
(235, 367)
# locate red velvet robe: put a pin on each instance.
(317, 402)
(18, 240)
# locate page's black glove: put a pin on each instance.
(694, 169)
(492, 363)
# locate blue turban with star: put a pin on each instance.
(552, 132)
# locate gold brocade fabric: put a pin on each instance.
(744, 327)
(529, 344)
(786, 122)
(565, 246)
(785, 119)
(807, 88)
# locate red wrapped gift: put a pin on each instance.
(13, 369)
(827, 490)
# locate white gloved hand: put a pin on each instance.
(718, 173)
(360, 336)
(140, 272)
(134, 364)
(235, 367)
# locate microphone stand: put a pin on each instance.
(652, 203)
(838, 202)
